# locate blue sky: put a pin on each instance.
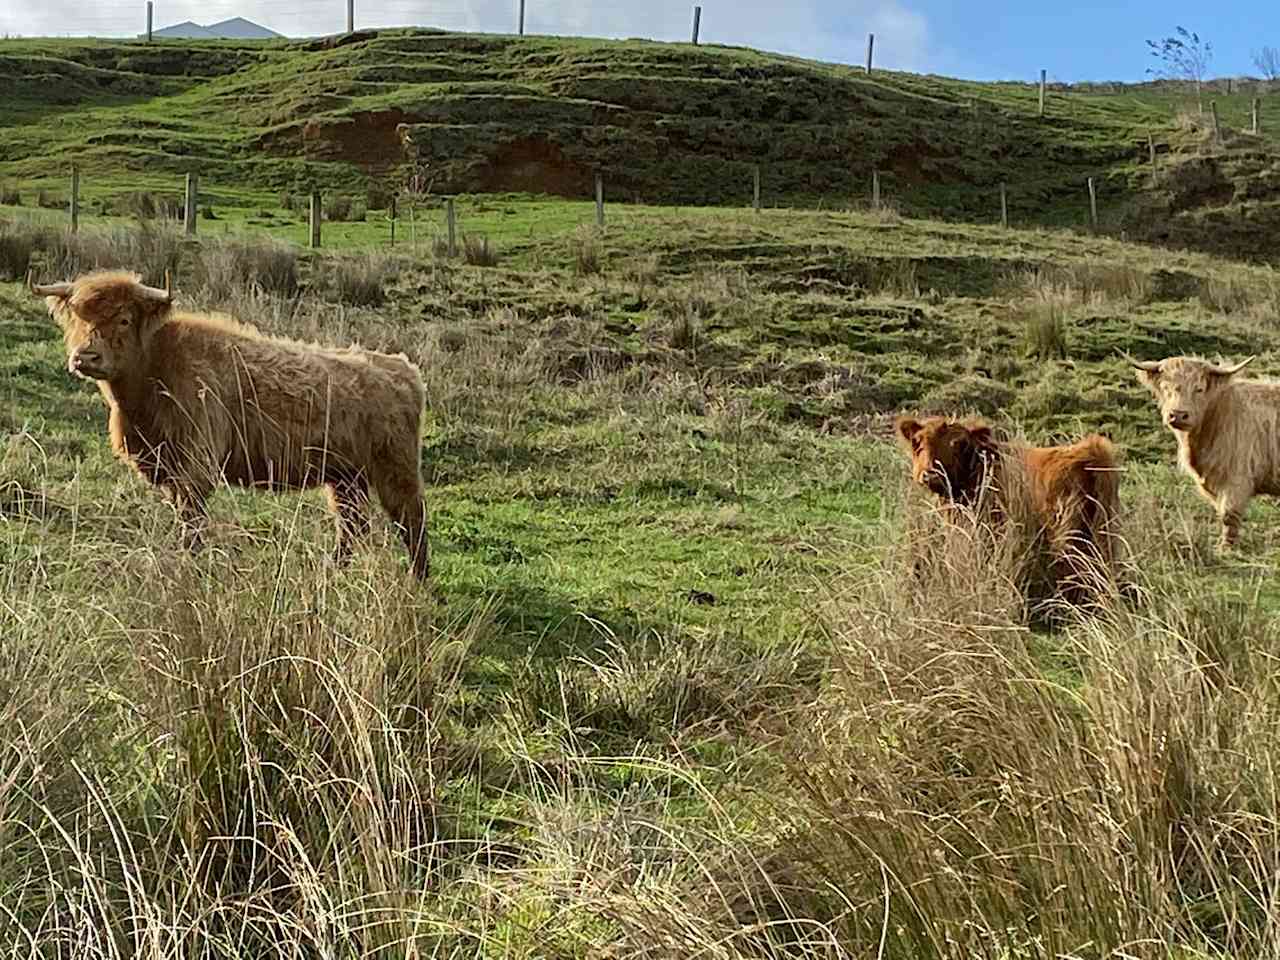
(982, 39)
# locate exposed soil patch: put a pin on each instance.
(534, 165)
(369, 140)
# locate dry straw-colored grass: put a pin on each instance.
(950, 796)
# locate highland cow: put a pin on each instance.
(1228, 431)
(198, 400)
(1073, 491)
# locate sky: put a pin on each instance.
(978, 39)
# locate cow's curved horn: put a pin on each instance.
(154, 293)
(47, 289)
(1232, 371)
(1151, 366)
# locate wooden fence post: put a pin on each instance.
(697, 24)
(1151, 149)
(871, 46)
(189, 213)
(451, 219)
(875, 189)
(1004, 205)
(1043, 75)
(755, 193)
(1093, 205)
(351, 16)
(600, 200)
(522, 18)
(391, 215)
(1217, 127)
(317, 214)
(149, 12)
(75, 198)
(1257, 129)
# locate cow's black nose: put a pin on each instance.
(1178, 418)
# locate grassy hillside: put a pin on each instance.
(665, 123)
(680, 685)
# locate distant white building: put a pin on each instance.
(237, 28)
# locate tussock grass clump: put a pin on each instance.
(10, 196)
(225, 267)
(1089, 283)
(643, 273)
(587, 250)
(147, 249)
(144, 205)
(1044, 331)
(669, 688)
(360, 281)
(478, 251)
(342, 208)
(1229, 294)
(265, 768)
(685, 331)
(19, 242)
(48, 200)
(707, 294)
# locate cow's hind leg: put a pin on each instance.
(349, 497)
(401, 494)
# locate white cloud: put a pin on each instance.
(825, 29)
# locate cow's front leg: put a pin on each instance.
(1231, 507)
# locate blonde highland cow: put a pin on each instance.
(198, 400)
(1228, 431)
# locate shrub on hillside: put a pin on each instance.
(378, 197)
(342, 208)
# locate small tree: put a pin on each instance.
(1184, 56)
(1267, 60)
(415, 191)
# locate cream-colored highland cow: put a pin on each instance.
(199, 400)
(1228, 431)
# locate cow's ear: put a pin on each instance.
(908, 430)
(983, 437)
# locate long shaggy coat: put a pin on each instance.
(1073, 490)
(1228, 431)
(197, 400)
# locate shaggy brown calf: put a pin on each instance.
(196, 400)
(1074, 490)
(1228, 431)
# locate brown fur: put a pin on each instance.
(1074, 489)
(1228, 432)
(195, 400)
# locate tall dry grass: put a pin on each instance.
(965, 787)
(223, 758)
